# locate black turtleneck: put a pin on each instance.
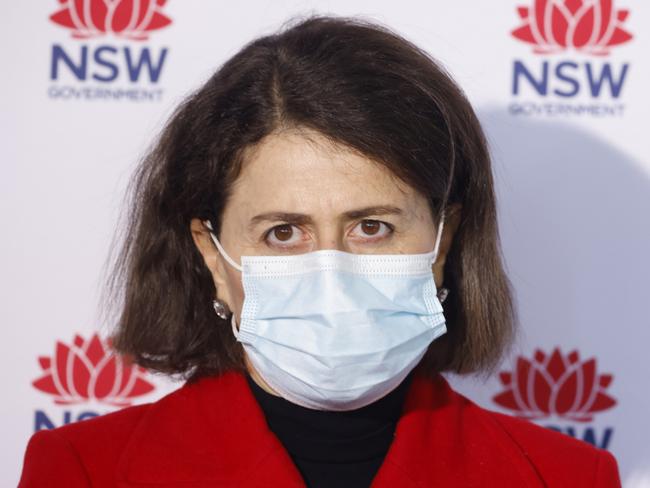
(342, 449)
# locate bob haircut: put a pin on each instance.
(359, 84)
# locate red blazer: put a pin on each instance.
(213, 433)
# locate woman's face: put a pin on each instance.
(296, 195)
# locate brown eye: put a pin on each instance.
(370, 227)
(283, 232)
(372, 231)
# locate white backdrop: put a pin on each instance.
(571, 160)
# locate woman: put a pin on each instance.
(293, 237)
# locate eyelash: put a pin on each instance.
(390, 230)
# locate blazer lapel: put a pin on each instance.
(208, 433)
(443, 439)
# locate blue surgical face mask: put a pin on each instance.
(333, 330)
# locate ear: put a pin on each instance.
(452, 221)
(212, 258)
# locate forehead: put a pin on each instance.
(302, 171)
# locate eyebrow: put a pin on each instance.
(304, 219)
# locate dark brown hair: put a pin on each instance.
(359, 84)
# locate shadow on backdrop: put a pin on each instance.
(574, 219)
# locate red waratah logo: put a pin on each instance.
(131, 19)
(557, 385)
(89, 370)
(590, 26)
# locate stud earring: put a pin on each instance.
(442, 294)
(220, 309)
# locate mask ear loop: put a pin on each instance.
(235, 331)
(442, 292)
(222, 251)
(438, 237)
(230, 261)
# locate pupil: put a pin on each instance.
(283, 232)
(370, 227)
